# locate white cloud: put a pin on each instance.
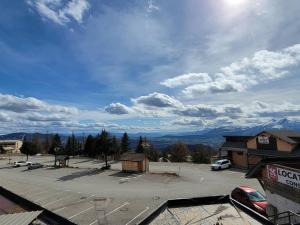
(59, 11)
(186, 79)
(22, 104)
(263, 66)
(158, 100)
(118, 109)
(187, 122)
(152, 7)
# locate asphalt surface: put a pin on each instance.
(86, 195)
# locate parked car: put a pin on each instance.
(35, 166)
(250, 198)
(21, 163)
(221, 164)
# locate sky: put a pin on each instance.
(147, 65)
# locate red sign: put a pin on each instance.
(272, 173)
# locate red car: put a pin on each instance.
(250, 198)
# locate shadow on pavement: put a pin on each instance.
(122, 174)
(81, 174)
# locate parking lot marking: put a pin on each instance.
(40, 199)
(59, 209)
(50, 203)
(81, 212)
(145, 210)
(106, 214)
(30, 196)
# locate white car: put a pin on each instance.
(221, 164)
(21, 163)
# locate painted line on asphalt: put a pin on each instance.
(30, 196)
(50, 203)
(73, 203)
(44, 198)
(106, 214)
(57, 210)
(138, 215)
(81, 212)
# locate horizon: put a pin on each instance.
(148, 66)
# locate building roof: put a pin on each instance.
(231, 144)
(135, 157)
(24, 218)
(290, 136)
(271, 153)
(271, 160)
(9, 141)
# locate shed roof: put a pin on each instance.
(23, 218)
(135, 157)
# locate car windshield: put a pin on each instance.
(256, 196)
(217, 162)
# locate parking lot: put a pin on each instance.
(88, 195)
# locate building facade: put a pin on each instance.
(10, 146)
(280, 179)
(246, 151)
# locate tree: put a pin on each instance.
(140, 146)
(125, 143)
(55, 145)
(46, 144)
(103, 146)
(178, 152)
(89, 146)
(72, 146)
(28, 148)
(201, 153)
(115, 148)
(152, 154)
(36, 141)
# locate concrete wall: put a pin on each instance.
(279, 204)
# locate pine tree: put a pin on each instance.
(89, 146)
(103, 146)
(115, 147)
(28, 148)
(125, 143)
(55, 145)
(140, 146)
(46, 145)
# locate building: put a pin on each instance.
(280, 179)
(10, 146)
(134, 162)
(246, 151)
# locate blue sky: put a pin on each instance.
(142, 65)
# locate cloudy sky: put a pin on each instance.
(147, 65)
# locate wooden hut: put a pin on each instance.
(134, 162)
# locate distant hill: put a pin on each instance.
(212, 137)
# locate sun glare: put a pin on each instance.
(235, 2)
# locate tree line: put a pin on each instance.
(108, 147)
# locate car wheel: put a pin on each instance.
(220, 168)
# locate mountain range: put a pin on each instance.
(211, 136)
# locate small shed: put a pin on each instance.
(135, 162)
(63, 161)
